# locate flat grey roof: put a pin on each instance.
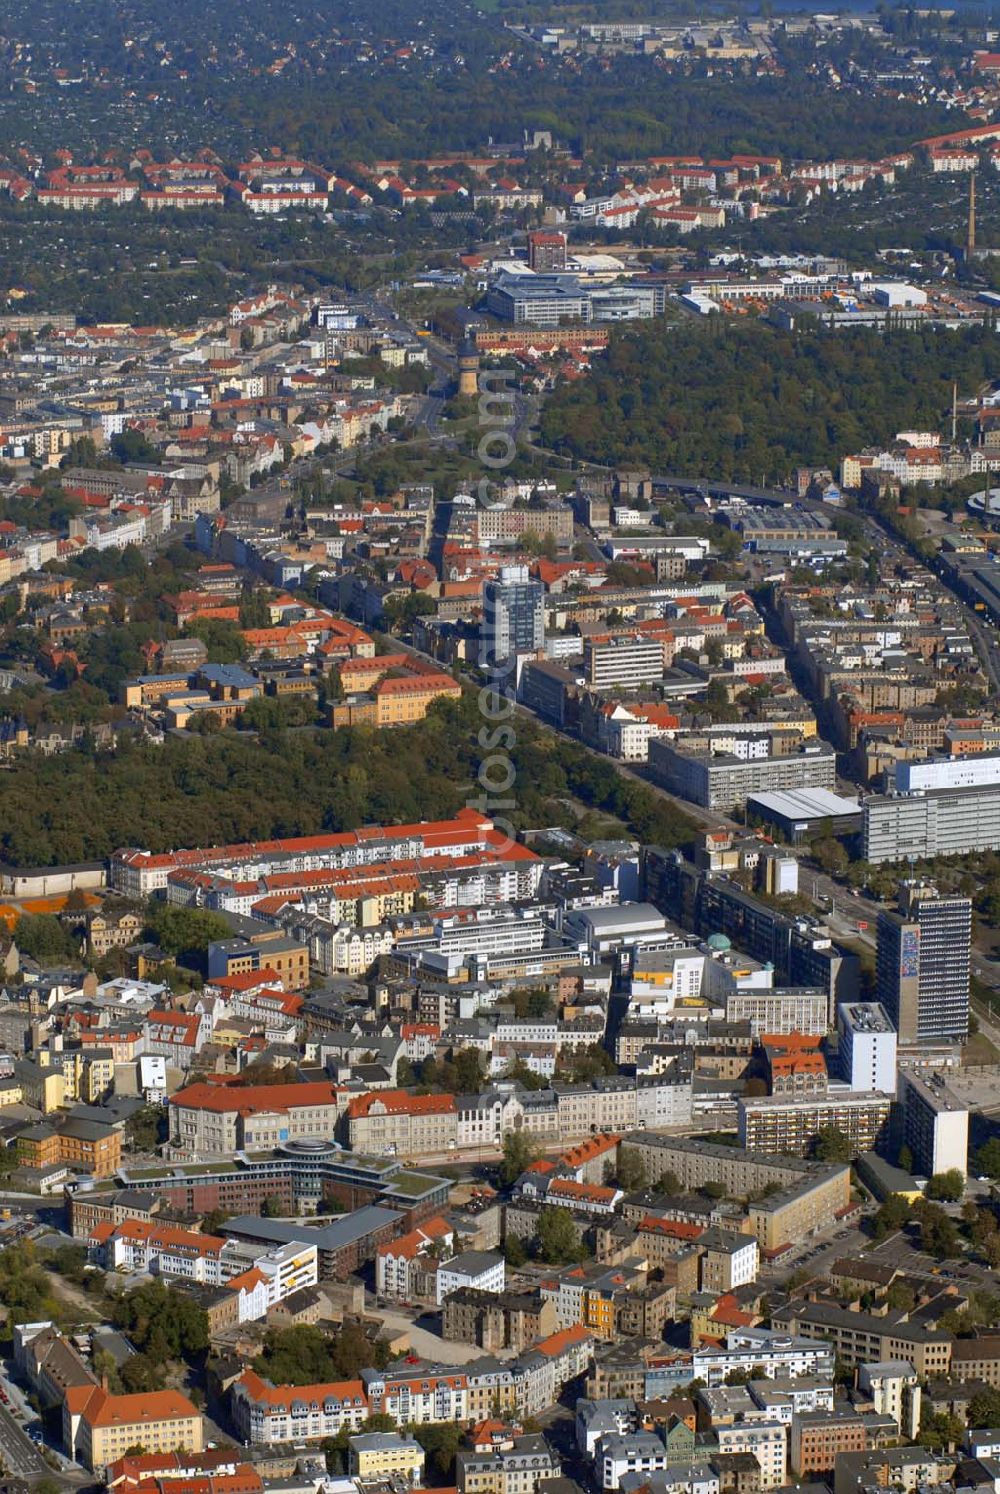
(472, 1262)
(326, 1237)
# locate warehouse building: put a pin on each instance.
(802, 814)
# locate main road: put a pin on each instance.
(20, 1456)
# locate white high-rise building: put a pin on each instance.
(867, 1047)
(935, 1124)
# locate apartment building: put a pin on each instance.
(176, 1036)
(811, 1195)
(137, 873)
(764, 1440)
(266, 1415)
(220, 1119)
(515, 1470)
(49, 1362)
(935, 1124)
(378, 1456)
(512, 1321)
(819, 1437)
(867, 1049)
(481, 1270)
(501, 525)
(397, 1261)
(781, 1398)
(112, 931)
(977, 1359)
(795, 1066)
(788, 1124)
(772, 1354)
(418, 1393)
(723, 780)
(894, 1387)
(729, 1260)
(640, 1453)
(98, 1428)
(513, 617)
(262, 1278)
(161, 1249)
(906, 1468)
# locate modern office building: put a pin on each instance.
(802, 814)
(867, 1047)
(974, 770)
(802, 953)
(931, 822)
(935, 1124)
(513, 617)
(780, 1011)
(555, 298)
(922, 965)
(539, 300)
(623, 663)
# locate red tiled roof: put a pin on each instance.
(281, 1397)
(398, 1102)
(100, 1409)
(255, 1099)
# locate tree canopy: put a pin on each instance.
(164, 1321)
(743, 400)
(74, 807)
(305, 1355)
(831, 1145)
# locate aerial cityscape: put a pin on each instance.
(499, 748)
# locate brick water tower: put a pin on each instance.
(468, 369)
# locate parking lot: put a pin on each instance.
(818, 1255)
(899, 1251)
